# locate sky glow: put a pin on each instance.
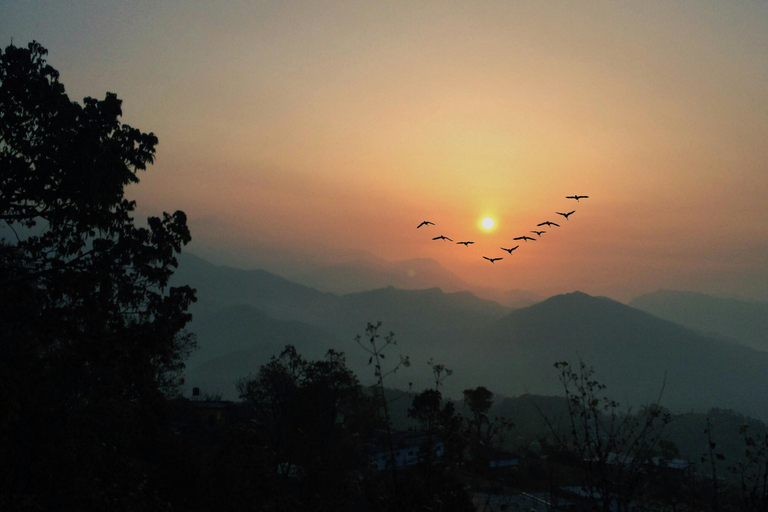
(296, 134)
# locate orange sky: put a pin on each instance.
(321, 129)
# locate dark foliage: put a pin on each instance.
(92, 336)
(479, 400)
(307, 412)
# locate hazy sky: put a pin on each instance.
(305, 132)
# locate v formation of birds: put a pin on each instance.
(524, 238)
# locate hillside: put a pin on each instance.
(219, 287)
(254, 314)
(740, 320)
(636, 354)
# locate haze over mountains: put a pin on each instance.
(743, 321)
(636, 354)
(368, 273)
(244, 316)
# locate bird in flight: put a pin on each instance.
(425, 223)
(524, 238)
(576, 197)
(510, 250)
(566, 214)
(538, 232)
(492, 259)
(548, 224)
(441, 237)
(466, 244)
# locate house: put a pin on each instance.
(409, 448)
(494, 458)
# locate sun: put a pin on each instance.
(487, 223)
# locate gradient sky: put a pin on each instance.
(299, 133)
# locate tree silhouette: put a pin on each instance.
(308, 413)
(426, 408)
(376, 348)
(92, 331)
(615, 448)
(479, 400)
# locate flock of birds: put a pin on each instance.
(524, 238)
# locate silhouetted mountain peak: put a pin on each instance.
(572, 302)
(634, 352)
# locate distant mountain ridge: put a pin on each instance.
(427, 322)
(237, 340)
(741, 320)
(219, 287)
(245, 316)
(635, 353)
(371, 273)
(243, 328)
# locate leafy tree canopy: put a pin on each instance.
(89, 327)
(91, 283)
(302, 403)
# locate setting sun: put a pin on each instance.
(487, 223)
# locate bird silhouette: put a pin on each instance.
(548, 224)
(510, 250)
(538, 232)
(492, 259)
(576, 197)
(425, 223)
(466, 244)
(566, 214)
(524, 238)
(441, 237)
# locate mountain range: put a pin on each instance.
(640, 357)
(369, 273)
(743, 321)
(244, 316)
